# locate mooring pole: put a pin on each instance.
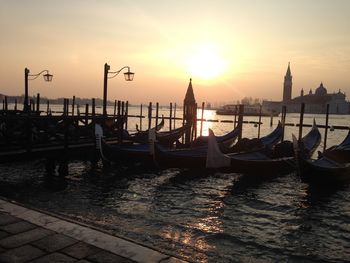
(15, 105)
(259, 124)
(170, 115)
(73, 105)
(302, 109)
(149, 115)
(86, 113)
(157, 112)
(38, 103)
(126, 114)
(235, 120)
(271, 119)
(47, 107)
(326, 129)
(283, 120)
(174, 116)
(141, 117)
(93, 110)
(202, 116)
(240, 120)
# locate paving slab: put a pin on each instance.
(108, 245)
(25, 237)
(107, 257)
(6, 219)
(54, 257)
(80, 250)
(18, 227)
(54, 242)
(21, 254)
(3, 234)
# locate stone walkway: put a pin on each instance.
(30, 236)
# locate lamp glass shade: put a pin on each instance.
(48, 77)
(129, 76)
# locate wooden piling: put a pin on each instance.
(73, 105)
(170, 116)
(126, 114)
(235, 119)
(175, 116)
(240, 120)
(149, 115)
(302, 109)
(157, 112)
(38, 103)
(15, 105)
(122, 117)
(202, 116)
(283, 120)
(86, 113)
(93, 110)
(271, 119)
(259, 122)
(326, 129)
(140, 128)
(47, 107)
(118, 109)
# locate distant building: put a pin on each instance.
(314, 102)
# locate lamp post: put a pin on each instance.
(129, 76)
(47, 77)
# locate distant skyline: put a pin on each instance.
(230, 48)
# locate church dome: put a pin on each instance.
(321, 91)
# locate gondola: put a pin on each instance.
(136, 152)
(333, 166)
(142, 136)
(195, 158)
(266, 161)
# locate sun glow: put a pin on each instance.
(205, 62)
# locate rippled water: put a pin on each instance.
(198, 216)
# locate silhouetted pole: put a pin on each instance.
(126, 114)
(326, 129)
(73, 105)
(105, 78)
(15, 104)
(283, 120)
(259, 124)
(157, 112)
(38, 103)
(175, 116)
(170, 115)
(149, 115)
(26, 106)
(240, 120)
(301, 120)
(201, 128)
(141, 117)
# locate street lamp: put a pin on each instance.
(129, 76)
(47, 77)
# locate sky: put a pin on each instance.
(230, 48)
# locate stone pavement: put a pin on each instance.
(31, 236)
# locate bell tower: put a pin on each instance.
(287, 85)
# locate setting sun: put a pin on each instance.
(206, 62)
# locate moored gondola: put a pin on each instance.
(142, 136)
(333, 166)
(265, 161)
(195, 158)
